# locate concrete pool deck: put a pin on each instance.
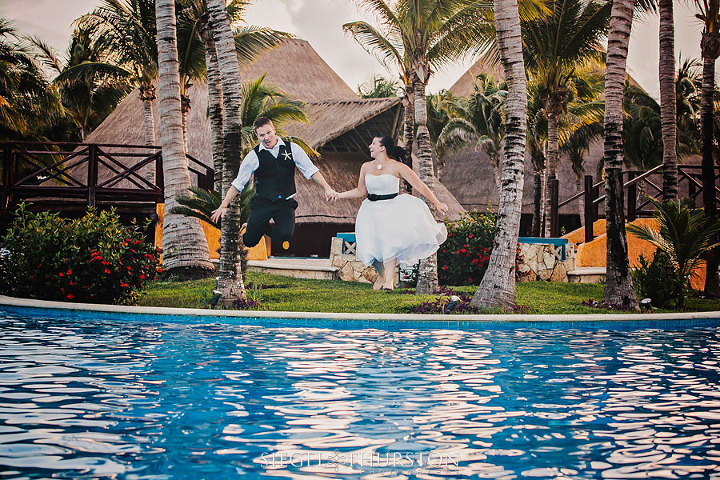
(258, 314)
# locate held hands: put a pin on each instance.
(331, 195)
(218, 213)
(442, 208)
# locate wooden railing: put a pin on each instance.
(639, 186)
(86, 173)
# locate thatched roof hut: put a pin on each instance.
(341, 127)
(468, 173)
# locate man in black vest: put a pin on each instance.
(273, 162)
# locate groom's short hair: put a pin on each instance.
(261, 122)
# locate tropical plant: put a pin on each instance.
(128, 28)
(88, 95)
(185, 250)
(684, 234)
(90, 259)
(260, 99)
(479, 119)
(536, 140)
(380, 87)
(497, 288)
(201, 204)
(25, 96)
(556, 48)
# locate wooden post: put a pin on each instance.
(631, 198)
(590, 209)
(554, 210)
(159, 178)
(92, 173)
(8, 176)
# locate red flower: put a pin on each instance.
(463, 250)
(107, 271)
(142, 276)
(159, 269)
(61, 274)
(124, 285)
(69, 272)
(70, 296)
(470, 236)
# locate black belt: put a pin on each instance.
(373, 197)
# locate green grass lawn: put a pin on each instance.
(292, 294)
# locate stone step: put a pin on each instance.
(587, 275)
(312, 268)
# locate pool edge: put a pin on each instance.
(198, 312)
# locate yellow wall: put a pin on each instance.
(594, 254)
(261, 251)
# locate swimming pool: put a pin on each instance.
(136, 397)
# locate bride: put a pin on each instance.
(392, 228)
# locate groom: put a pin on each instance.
(273, 162)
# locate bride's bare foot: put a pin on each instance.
(388, 286)
(378, 283)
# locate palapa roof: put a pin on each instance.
(341, 126)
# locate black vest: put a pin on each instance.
(275, 177)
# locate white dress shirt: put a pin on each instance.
(251, 162)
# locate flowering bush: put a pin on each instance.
(91, 259)
(464, 257)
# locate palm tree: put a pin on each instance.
(497, 288)
(128, 28)
(381, 88)
(618, 283)
(478, 118)
(185, 249)
(88, 95)
(709, 14)
(26, 99)
(197, 60)
(555, 47)
(685, 235)
(536, 142)
(230, 282)
(667, 99)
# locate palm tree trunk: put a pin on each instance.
(497, 288)
(230, 277)
(147, 95)
(537, 202)
(185, 250)
(215, 99)
(709, 49)
(668, 106)
(427, 274)
(408, 132)
(618, 285)
(495, 160)
(553, 158)
(185, 110)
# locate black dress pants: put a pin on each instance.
(262, 211)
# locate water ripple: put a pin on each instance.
(112, 399)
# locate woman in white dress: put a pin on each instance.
(392, 228)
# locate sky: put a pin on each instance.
(320, 21)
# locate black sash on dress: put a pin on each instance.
(374, 197)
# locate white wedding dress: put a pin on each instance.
(400, 227)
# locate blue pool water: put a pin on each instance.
(136, 398)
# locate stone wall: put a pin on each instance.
(543, 261)
(342, 256)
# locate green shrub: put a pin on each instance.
(91, 259)
(463, 258)
(658, 281)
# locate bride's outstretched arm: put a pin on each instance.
(412, 178)
(358, 192)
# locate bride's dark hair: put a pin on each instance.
(393, 151)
